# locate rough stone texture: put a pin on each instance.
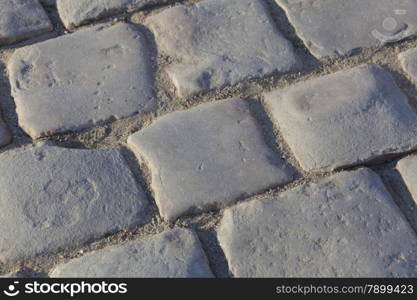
(346, 118)
(54, 197)
(211, 159)
(206, 157)
(21, 19)
(408, 61)
(175, 253)
(408, 169)
(105, 74)
(338, 27)
(345, 226)
(77, 12)
(5, 136)
(220, 42)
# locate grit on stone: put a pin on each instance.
(220, 42)
(54, 197)
(346, 118)
(338, 27)
(175, 253)
(345, 226)
(74, 13)
(207, 157)
(408, 61)
(105, 74)
(5, 136)
(408, 170)
(21, 19)
(11, 275)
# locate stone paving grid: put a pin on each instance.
(169, 88)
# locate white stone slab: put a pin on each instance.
(338, 27)
(344, 226)
(220, 42)
(55, 198)
(176, 253)
(347, 118)
(22, 19)
(207, 157)
(81, 79)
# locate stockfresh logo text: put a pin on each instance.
(71, 289)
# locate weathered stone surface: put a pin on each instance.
(5, 136)
(220, 42)
(207, 156)
(408, 61)
(80, 79)
(175, 253)
(52, 198)
(343, 119)
(345, 226)
(332, 28)
(21, 19)
(77, 12)
(408, 170)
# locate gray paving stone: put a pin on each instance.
(105, 74)
(21, 19)
(346, 118)
(176, 253)
(344, 226)
(5, 136)
(206, 157)
(220, 42)
(408, 170)
(74, 13)
(338, 27)
(52, 198)
(408, 61)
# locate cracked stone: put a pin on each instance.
(74, 13)
(347, 118)
(53, 198)
(220, 42)
(339, 27)
(106, 74)
(344, 226)
(207, 156)
(176, 253)
(408, 170)
(22, 19)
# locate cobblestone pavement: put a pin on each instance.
(201, 138)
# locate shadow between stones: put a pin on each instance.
(400, 193)
(8, 112)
